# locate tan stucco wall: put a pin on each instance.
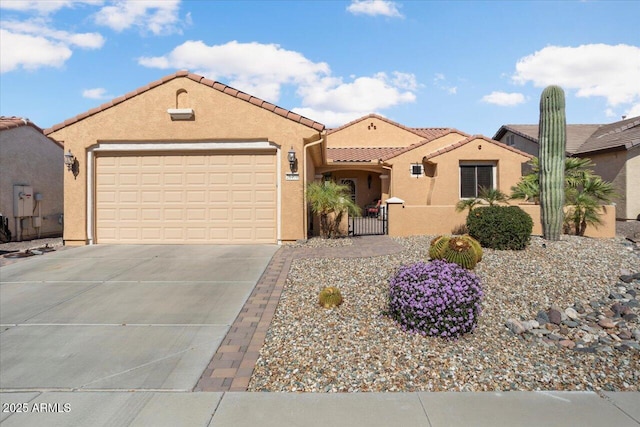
(363, 134)
(633, 183)
(444, 188)
(27, 157)
(218, 117)
(407, 220)
(622, 168)
(364, 194)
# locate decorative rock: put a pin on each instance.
(571, 324)
(515, 326)
(606, 323)
(627, 278)
(571, 313)
(636, 334)
(567, 344)
(555, 316)
(542, 317)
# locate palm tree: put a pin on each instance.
(490, 195)
(329, 198)
(585, 192)
(585, 203)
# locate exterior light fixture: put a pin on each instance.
(69, 160)
(291, 156)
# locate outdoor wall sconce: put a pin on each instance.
(369, 181)
(293, 161)
(71, 163)
(69, 160)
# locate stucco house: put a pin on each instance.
(614, 148)
(189, 160)
(31, 187)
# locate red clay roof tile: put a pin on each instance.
(359, 154)
(199, 79)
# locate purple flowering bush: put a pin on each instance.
(437, 298)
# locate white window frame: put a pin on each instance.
(413, 175)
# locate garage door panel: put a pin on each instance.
(213, 198)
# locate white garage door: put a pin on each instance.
(188, 198)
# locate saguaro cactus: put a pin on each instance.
(552, 138)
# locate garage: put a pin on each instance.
(222, 197)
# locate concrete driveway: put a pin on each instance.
(133, 317)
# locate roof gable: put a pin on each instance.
(14, 122)
(474, 138)
(421, 143)
(204, 81)
(423, 132)
(576, 134)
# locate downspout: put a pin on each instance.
(305, 212)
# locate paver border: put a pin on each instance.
(232, 365)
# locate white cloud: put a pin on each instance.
(374, 8)
(439, 80)
(634, 111)
(608, 71)
(43, 7)
(263, 69)
(504, 99)
(33, 44)
(156, 16)
(96, 93)
(30, 52)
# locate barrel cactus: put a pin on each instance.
(462, 250)
(553, 141)
(330, 297)
(437, 246)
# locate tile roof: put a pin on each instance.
(359, 154)
(576, 134)
(202, 80)
(424, 132)
(13, 122)
(623, 134)
(421, 143)
(468, 140)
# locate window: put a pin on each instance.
(511, 140)
(473, 177)
(416, 170)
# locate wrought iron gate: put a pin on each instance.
(369, 225)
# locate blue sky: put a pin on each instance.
(471, 65)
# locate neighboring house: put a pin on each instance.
(189, 160)
(31, 168)
(614, 148)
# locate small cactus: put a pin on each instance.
(437, 247)
(330, 297)
(461, 251)
(476, 246)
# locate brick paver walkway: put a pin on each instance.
(231, 367)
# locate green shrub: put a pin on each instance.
(500, 227)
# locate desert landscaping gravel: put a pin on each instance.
(357, 348)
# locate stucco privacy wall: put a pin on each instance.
(27, 157)
(444, 187)
(143, 118)
(406, 220)
(633, 183)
